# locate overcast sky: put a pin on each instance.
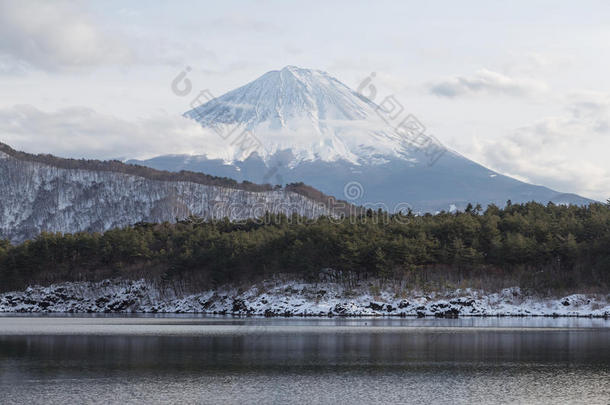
(521, 87)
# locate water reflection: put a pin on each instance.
(377, 359)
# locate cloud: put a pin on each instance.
(591, 105)
(567, 153)
(243, 23)
(81, 132)
(486, 81)
(55, 35)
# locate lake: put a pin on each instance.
(190, 359)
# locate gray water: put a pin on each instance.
(185, 359)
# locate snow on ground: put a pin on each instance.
(293, 298)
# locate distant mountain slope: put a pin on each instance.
(313, 128)
(452, 182)
(45, 193)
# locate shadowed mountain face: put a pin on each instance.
(309, 127)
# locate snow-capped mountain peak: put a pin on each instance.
(304, 112)
(280, 95)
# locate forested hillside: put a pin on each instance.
(540, 247)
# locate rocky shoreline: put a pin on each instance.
(293, 298)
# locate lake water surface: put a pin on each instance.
(186, 359)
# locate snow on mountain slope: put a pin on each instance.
(41, 197)
(310, 127)
(306, 112)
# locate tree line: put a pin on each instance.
(543, 247)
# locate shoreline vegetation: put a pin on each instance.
(545, 250)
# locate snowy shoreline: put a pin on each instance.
(294, 298)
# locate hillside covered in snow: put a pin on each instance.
(43, 193)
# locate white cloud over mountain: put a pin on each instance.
(488, 82)
(543, 152)
(56, 35)
(82, 132)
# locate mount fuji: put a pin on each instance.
(302, 125)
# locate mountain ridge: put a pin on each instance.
(46, 193)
